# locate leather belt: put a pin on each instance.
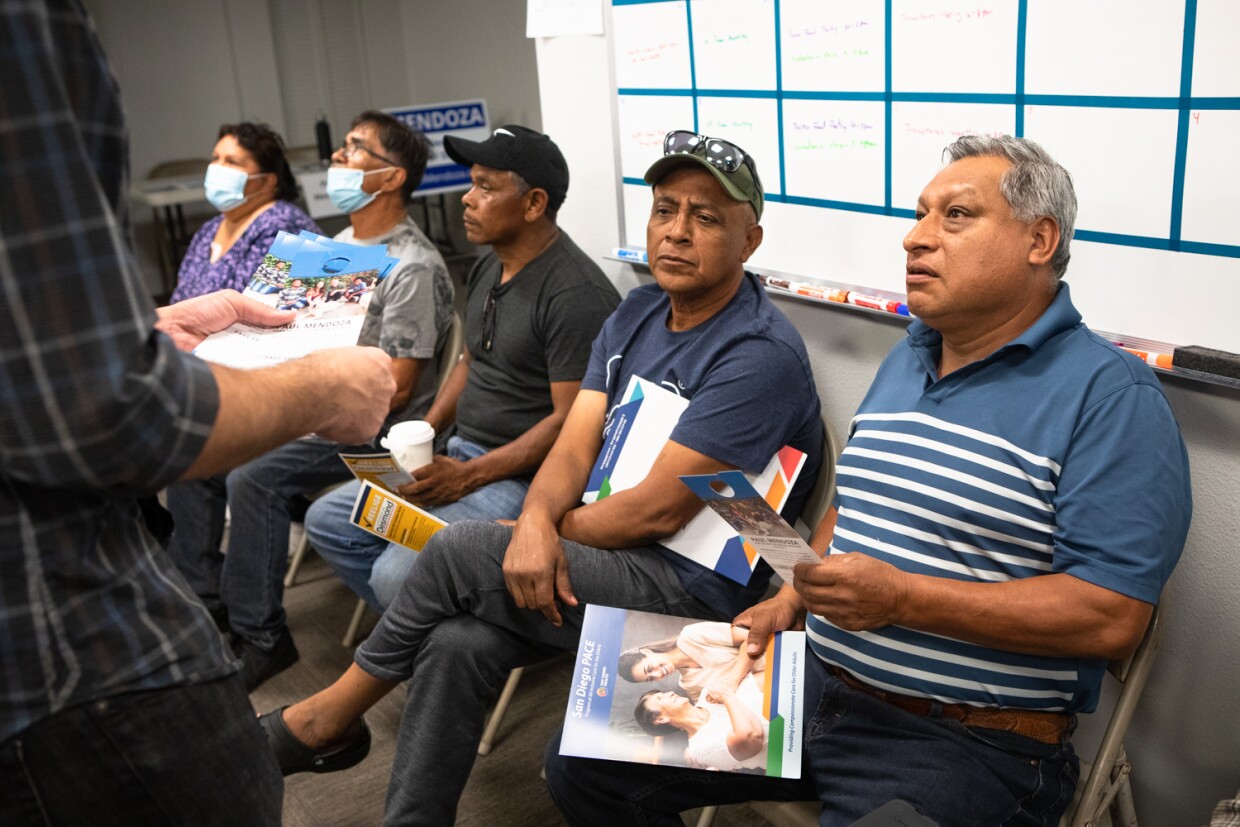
(1046, 727)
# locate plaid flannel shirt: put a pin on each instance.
(1226, 813)
(96, 406)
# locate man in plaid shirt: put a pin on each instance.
(119, 702)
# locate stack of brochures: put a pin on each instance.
(328, 283)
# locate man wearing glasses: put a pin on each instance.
(372, 177)
(536, 302)
(483, 598)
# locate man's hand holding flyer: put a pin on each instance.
(328, 283)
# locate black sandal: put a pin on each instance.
(293, 756)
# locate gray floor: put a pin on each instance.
(505, 788)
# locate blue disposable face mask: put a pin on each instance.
(344, 187)
(226, 186)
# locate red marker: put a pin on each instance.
(878, 303)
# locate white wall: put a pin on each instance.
(473, 48)
(1185, 740)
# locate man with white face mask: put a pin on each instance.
(409, 316)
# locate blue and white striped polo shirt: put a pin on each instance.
(1057, 453)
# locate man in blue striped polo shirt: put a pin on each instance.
(1012, 499)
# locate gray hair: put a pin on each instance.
(520, 183)
(524, 186)
(1035, 186)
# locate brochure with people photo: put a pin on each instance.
(656, 689)
(637, 429)
(328, 283)
(750, 515)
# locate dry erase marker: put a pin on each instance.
(1158, 360)
(631, 255)
(829, 294)
(878, 303)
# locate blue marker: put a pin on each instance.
(625, 254)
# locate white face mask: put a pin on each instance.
(226, 186)
(344, 187)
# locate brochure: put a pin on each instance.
(636, 432)
(380, 469)
(729, 495)
(386, 515)
(719, 711)
(327, 282)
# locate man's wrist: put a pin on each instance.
(793, 602)
(533, 513)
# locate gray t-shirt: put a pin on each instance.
(545, 319)
(410, 313)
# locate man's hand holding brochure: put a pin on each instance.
(326, 283)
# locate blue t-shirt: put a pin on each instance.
(751, 392)
(1056, 453)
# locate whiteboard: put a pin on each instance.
(846, 107)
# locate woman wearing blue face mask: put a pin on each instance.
(250, 183)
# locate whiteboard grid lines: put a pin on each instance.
(1019, 99)
(1181, 132)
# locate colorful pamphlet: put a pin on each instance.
(380, 469)
(636, 432)
(386, 515)
(718, 709)
(328, 283)
(730, 495)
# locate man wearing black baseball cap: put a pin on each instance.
(535, 304)
(519, 149)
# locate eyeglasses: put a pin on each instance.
(488, 320)
(351, 147)
(722, 154)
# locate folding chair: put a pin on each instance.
(1106, 786)
(501, 706)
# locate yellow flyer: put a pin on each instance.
(388, 516)
(380, 469)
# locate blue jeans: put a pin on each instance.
(859, 752)
(249, 580)
(374, 568)
(453, 632)
(187, 755)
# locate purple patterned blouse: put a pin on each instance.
(235, 268)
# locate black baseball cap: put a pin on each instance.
(528, 153)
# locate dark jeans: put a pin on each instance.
(187, 755)
(858, 753)
(249, 580)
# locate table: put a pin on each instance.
(166, 196)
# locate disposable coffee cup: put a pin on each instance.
(411, 443)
